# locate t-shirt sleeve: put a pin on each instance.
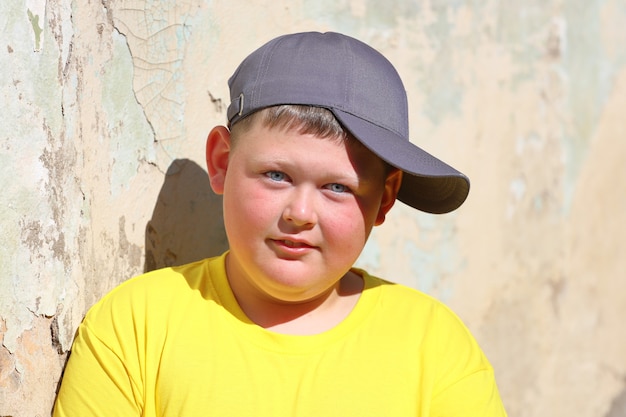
(114, 363)
(466, 385)
(96, 382)
(105, 373)
(475, 395)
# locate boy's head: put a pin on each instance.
(364, 93)
(300, 198)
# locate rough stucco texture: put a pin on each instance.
(106, 105)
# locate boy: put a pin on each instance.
(282, 325)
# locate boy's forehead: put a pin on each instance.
(256, 126)
(274, 138)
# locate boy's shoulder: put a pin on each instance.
(400, 292)
(162, 279)
(163, 287)
(408, 306)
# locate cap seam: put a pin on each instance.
(350, 82)
(266, 59)
(381, 125)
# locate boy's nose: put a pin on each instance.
(300, 209)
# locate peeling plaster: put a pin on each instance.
(36, 11)
(131, 135)
(129, 250)
(157, 35)
(34, 21)
(434, 257)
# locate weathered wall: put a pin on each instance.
(106, 104)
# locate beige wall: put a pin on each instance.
(106, 105)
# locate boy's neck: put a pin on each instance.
(306, 318)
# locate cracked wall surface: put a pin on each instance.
(107, 103)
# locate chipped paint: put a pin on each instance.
(36, 11)
(34, 21)
(131, 137)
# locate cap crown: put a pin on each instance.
(327, 70)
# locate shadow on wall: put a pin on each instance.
(186, 224)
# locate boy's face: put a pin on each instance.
(297, 208)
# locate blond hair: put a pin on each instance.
(311, 120)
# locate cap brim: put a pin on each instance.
(428, 183)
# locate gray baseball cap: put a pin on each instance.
(364, 92)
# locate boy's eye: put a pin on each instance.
(275, 175)
(337, 188)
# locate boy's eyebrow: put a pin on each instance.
(335, 174)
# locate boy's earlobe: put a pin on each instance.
(392, 185)
(217, 153)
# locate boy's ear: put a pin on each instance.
(392, 185)
(217, 153)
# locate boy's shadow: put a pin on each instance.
(186, 223)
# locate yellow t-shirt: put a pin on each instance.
(174, 343)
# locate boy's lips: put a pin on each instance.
(294, 244)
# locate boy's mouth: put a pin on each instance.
(294, 244)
